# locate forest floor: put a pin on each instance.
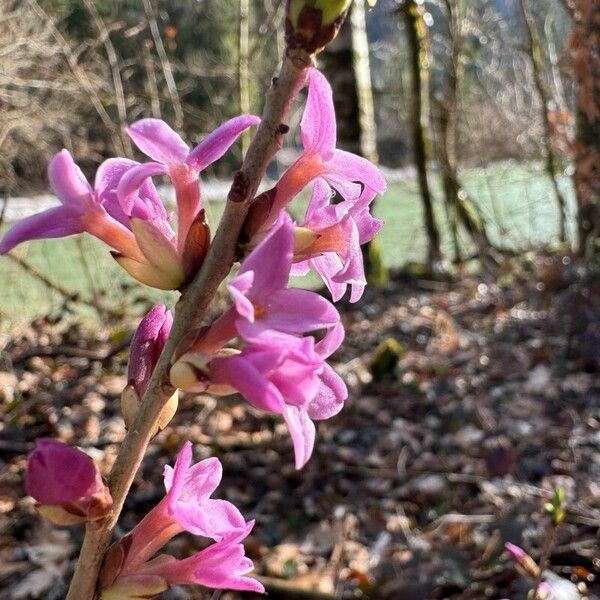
(442, 454)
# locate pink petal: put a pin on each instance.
(271, 261)
(212, 518)
(238, 288)
(302, 431)
(52, 223)
(327, 266)
(330, 397)
(67, 180)
(174, 477)
(108, 175)
(320, 198)
(356, 168)
(331, 342)
(158, 141)
(248, 380)
(132, 181)
(201, 480)
(299, 311)
(318, 128)
(214, 145)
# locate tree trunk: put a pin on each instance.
(459, 207)
(534, 50)
(585, 48)
(416, 30)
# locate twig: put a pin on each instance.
(190, 310)
(113, 61)
(72, 351)
(165, 64)
(67, 295)
(279, 588)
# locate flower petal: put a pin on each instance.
(271, 261)
(318, 128)
(212, 518)
(356, 168)
(215, 144)
(330, 397)
(302, 431)
(299, 311)
(66, 179)
(248, 380)
(52, 223)
(132, 181)
(158, 141)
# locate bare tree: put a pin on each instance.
(585, 49)
(413, 14)
(535, 52)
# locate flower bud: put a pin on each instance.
(66, 483)
(312, 24)
(524, 563)
(147, 345)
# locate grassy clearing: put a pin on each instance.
(516, 201)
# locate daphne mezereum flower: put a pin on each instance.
(130, 571)
(262, 300)
(173, 157)
(66, 483)
(187, 506)
(334, 234)
(344, 171)
(287, 375)
(83, 209)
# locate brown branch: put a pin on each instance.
(190, 310)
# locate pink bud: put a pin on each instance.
(147, 345)
(64, 477)
(522, 560)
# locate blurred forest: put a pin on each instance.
(472, 362)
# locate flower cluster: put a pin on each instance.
(131, 569)
(124, 210)
(271, 345)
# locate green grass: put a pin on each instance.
(516, 201)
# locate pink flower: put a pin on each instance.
(83, 209)
(223, 565)
(187, 506)
(262, 300)
(342, 170)
(287, 375)
(339, 231)
(147, 345)
(172, 156)
(66, 483)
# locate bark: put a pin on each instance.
(534, 50)
(461, 211)
(585, 49)
(416, 31)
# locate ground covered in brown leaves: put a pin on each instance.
(469, 404)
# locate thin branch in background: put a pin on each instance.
(243, 66)
(113, 61)
(66, 294)
(165, 64)
(82, 78)
(151, 79)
